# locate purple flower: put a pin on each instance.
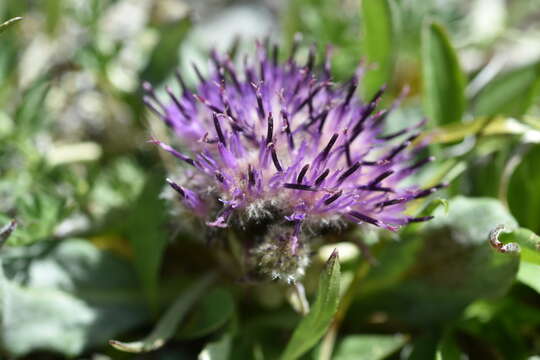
(282, 144)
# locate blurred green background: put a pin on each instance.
(99, 254)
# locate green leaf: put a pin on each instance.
(168, 324)
(378, 28)
(369, 347)
(65, 297)
(54, 14)
(448, 349)
(165, 55)
(217, 350)
(524, 192)
(519, 240)
(511, 93)
(209, 315)
(529, 274)
(443, 80)
(481, 126)
(6, 24)
(147, 234)
(314, 325)
(440, 269)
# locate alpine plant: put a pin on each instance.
(283, 146)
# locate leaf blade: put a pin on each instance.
(443, 80)
(166, 326)
(378, 28)
(314, 325)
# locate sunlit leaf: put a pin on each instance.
(217, 350)
(69, 297)
(312, 327)
(444, 82)
(529, 274)
(5, 25)
(368, 347)
(524, 192)
(378, 43)
(448, 349)
(511, 93)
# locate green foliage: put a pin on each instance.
(146, 233)
(368, 347)
(511, 93)
(443, 80)
(314, 325)
(166, 326)
(524, 192)
(74, 165)
(164, 57)
(379, 41)
(69, 297)
(428, 280)
(6, 24)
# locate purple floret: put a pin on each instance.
(284, 139)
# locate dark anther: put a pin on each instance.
(329, 146)
(381, 177)
(251, 176)
(302, 174)
(390, 202)
(220, 177)
(298, 187)
(321, 178)
(365, 218)
(288, 129)
(270, 131)
(429, 191)
(198, 73)
(276, 160)
(350, 91)
(333, 198)
(176, 188)
(260, 106)
(419, 219)
(349, 172)
(218, 129)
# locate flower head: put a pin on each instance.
(282, 144)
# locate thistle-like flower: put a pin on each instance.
(281, 144)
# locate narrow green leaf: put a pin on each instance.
(443, 80)
(5, 25)
(54, 10)
(511, 93)
(369, 347)
(448, 349)
(524, 192)
(167, 325)
(377, 21)
(315, 324)
(484, 126)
